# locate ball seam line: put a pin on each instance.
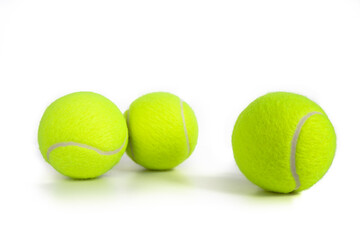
(294, 145)
(185, 130)
(67, 144)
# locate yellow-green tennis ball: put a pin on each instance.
(283, 142)
(163, 131)
(82, 135)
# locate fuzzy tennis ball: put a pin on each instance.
(163, 131)
(82, 135)
(283, 142)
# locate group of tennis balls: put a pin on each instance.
(283, 142)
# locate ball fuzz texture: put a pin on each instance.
(163, 131)
(82, 135)
(283, 142)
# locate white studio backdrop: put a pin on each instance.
(216, 55)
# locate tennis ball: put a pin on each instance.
(163, 131)
(283, 142)
(82, 135)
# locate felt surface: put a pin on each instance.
(262, 140)
(85, 118)
(162, 128)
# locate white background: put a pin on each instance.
(216, 55)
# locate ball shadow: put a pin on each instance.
(66, 188)
(140, 179)
(147, 180)
(238, 185)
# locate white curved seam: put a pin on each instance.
(66, 144)
(185, 130)
(130, 144)
(293, 148)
